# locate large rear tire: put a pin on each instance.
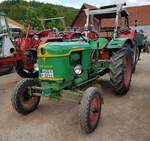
(135, 56)
(21, 100)
(121, 70)
(90, 109)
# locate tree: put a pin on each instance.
(30, 13)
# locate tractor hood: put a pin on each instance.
(56, 49)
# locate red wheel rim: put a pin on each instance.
(27, 100)
(30, 102)
(128, 70)
(94, 112)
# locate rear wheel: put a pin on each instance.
(90, 109)
(135, 56)
(121, 70)
(21, 100)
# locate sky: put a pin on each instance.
(97, 3)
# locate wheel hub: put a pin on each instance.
(94, 110)
(28, 100)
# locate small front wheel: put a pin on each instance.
(90, 109)
(23, 102)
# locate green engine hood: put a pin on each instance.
(53, 49)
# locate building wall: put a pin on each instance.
(81, 21)
(140, 13)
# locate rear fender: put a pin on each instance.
(101, 43)
(119, 43)
(130, 34)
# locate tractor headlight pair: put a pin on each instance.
(78, 69)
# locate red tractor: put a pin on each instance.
(21, 52)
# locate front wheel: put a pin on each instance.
(23, 102)
(90, 109)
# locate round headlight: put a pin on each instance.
(36, 67)
(78, 69)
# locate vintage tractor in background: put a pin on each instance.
(22, 51)
(7, 48)
(66, 68)
(26, 66)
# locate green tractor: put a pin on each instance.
(65, 68)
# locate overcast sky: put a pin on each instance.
(98, 3)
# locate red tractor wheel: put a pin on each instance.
(127, 70)
(90, 109)
(21, 100)
(121, 70)
(135, 51)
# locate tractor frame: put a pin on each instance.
(69, 67)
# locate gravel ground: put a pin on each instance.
(125, 118)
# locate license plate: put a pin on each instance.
(47, 73)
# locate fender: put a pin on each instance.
(130, 34)
(118, 43)
(102, 42)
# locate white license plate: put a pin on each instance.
(47, 73)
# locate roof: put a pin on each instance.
(88, 6)
(12, 23)
(84, 6)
